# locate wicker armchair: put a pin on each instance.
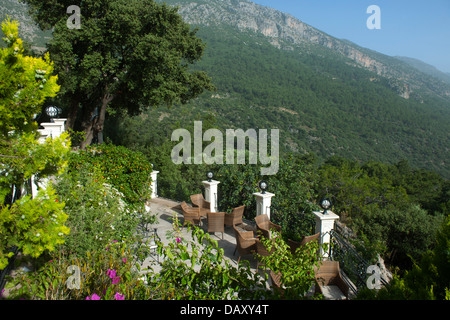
(235, 217)
(245, 242)
(262, 251)
(275, 278)
(328, 274)
(199, 201)
(264, 225)
(190, 214)
(294, 245)
(216, 222)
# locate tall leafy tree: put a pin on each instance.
(126, 55)
(31, 225)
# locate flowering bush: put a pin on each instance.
(197, 269)
(97, 213)
(127, 171)
(33, 225)
(109, 274)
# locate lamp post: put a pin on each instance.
(263, 199)
(211, 191)
(325, 224)
(52, 112)
(325, 204)
(263, 186)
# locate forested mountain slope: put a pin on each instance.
(326, 95)
(322, 100)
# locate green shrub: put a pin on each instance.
(128, 171)
(109, 274)
(296, 269)
(97, 213)
(428, 279)
(197, 269)
(405, 233)
(33, 225)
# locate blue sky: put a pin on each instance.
(413, 28)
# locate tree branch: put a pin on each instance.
(6, 156)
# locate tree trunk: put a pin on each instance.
(94, 127)
(99, 125)
(73, 112)
(88, 128)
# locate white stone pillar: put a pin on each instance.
(44, 135)
(62, 125)
(263, 203)
(53, 129)
(34, 187)
(324, 224)
(211, 194)
(154, 184)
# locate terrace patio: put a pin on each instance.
(165, 210)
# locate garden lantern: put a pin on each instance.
(263, 186)
(52, 112)
(325, 204)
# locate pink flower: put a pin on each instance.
(93, 297)
(124, 260)
(178, 240)
(118, 296)
(111, 273)
(116, 280)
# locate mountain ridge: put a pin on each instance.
(286, 30)
(426, 68)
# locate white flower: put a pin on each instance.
(23, 216)
(38, 234)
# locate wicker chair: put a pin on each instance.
(294, 245)
(190, 214)
(235, 217)
(199, 201)
(264, 225)
(275, 278)
(328, 274)
(245, 242)
(262, 251)
(216, 222)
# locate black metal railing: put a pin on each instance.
(5, 272)
(350, 261)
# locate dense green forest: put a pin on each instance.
(344, 133)
(320, 103)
